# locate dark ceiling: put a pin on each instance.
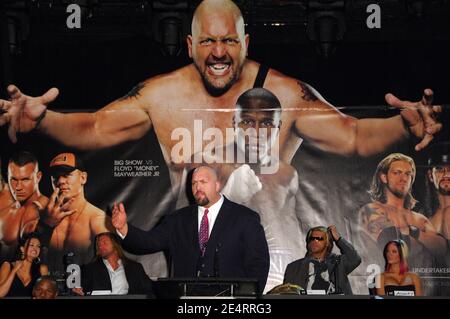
(123, 42)
(269, 21)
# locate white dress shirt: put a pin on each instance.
(213, 211)
(119, 283)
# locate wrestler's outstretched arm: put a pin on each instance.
(122, 120)
(330, 130)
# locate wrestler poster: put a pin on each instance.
(305, 122)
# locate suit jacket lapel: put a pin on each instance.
(103, 276)
(129, 277)
(220, 224)
(193, 229)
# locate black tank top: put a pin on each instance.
(261, 76)
(18, 289)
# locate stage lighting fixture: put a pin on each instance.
(171, 35)
(417, 8)
(170, 23)
(326, 24)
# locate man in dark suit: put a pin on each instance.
(215, 238)
(112, 271)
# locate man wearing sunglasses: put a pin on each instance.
(321, 271)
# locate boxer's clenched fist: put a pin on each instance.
(242, 185)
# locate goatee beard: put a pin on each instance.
(215, 91)
(202, 202)
(397, 193)
(444, 192)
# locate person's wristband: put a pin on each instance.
(414, 232)
(406, 126)
(40, 118)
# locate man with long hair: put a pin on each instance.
(390, 215)
(322, 270)
(112, 271)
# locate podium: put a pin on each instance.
(207, 287)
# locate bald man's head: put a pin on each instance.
(257, 121)
(226, 7)
(218, 44)
(211, 172)
(205, 186)
(258, 99)
(45, 288)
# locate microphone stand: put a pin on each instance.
(334, 272)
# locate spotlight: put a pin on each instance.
(417, 8)
(13, 37)
(170, 23)
(326, 25)
(171, 35)
(87, 7)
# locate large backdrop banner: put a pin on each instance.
(297, 125)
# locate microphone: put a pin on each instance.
(69, 258)
(199, 267)
(216, 260)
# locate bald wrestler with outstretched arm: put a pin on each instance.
(220, 72)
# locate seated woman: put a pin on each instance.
(18, 278)
(396, 276)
